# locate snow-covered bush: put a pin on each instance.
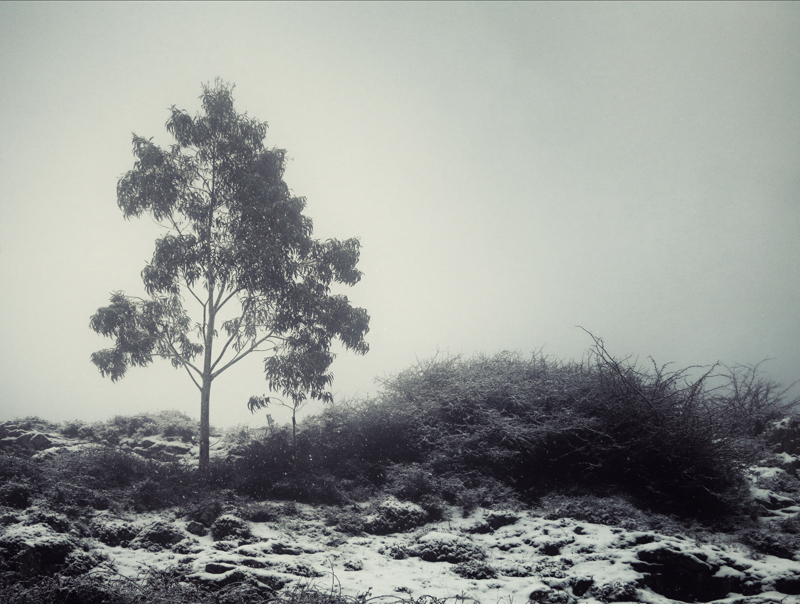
(348, 522)
(393, 516)
(35, 549)
(395, 551)
(611, 511)
(475, 569)
(446, 547)
(113, 532)
(229, 527)
(768, 541)
(156, 535)
(16, 494)
(493, 520)
(58, 522)
(548, 595)
(615, 591)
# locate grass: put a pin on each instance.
(160, 587)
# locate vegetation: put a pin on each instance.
(472, 432)
(601, 441)
(158, 587)
(458, 430)
(238, 246)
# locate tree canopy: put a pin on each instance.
(239, 249)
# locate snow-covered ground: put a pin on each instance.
(529, 556)
(491, 556)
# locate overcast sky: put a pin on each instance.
(513, 171)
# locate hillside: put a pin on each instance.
(453, 484)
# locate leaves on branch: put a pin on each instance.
(236, 235)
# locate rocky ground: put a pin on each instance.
(388, 547)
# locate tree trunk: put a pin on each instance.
(205, 391)
(205, 429)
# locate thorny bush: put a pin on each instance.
(677, 441)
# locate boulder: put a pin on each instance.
(216, 568)
(195, 528)
(772, 501)
(36, 549)
(37, 440)
(686, 576)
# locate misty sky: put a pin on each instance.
(513, 171)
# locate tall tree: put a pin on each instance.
(236, 241)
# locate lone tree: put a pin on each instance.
(236, 240)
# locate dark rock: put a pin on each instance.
(683, 576)
(233, 575)
(79, 563)
(772, 501)
(188, 545)
(206, 512)
(177, 448)
(785, 436)
(690, 563)
(551, 549)
(6, 519)
(581, 586)
(615, 591)
(195, 528)
(788, 585)
(253, 563)
(215, 568)
(37, 440)
(40, 442)
(264, 582)
(500, 518)
(286, 550)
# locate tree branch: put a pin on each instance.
(224, 349)
(226, 300)
(194, 295)
(184, 362)
(240, 355)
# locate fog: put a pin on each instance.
(514, 172)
